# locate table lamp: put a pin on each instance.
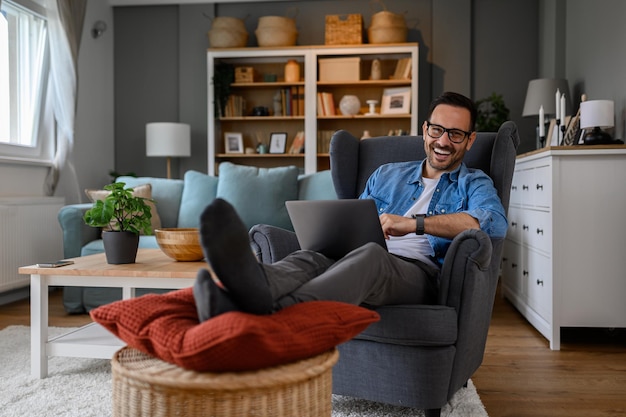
(168, 140)
(595, 115)
(541, 92)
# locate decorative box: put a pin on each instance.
(343, 29)
(340, 69)
(244, 74)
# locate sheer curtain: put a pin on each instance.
(65, 25)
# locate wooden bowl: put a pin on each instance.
(181, 244)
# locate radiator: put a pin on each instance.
(29, 234)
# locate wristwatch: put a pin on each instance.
(419, 223)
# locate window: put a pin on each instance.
(23, 74)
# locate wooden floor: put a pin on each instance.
(520, 375)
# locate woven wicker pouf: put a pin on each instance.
(146, 386)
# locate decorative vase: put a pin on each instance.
(292, 71)
(350, 105)
(120, 247)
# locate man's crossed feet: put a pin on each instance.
(236, 281)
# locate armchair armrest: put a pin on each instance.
(271, 243)
(76, 233)
(469, 278)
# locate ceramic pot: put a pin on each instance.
(120, 247)
(350, 105)
(292, 71)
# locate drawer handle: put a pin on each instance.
(525, 273)
(524, 227)
(539, 186)
(539, 231)
(513, 224)
(513, 265)
(540, 282)
(514, 187)
(525, 187)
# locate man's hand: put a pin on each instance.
(394, 225)
(446, 225)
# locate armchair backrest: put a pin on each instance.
(352, 161)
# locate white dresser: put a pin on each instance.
(564, 259)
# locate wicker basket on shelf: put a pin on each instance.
(343, 29)
(146, 386)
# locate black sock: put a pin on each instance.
(210, 299)
(226, 245)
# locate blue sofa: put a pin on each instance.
(258, 194)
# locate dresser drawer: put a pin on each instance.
(532, 185)
(511, 266)
(536, 229)
(537, 278)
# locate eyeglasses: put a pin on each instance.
(455, 135)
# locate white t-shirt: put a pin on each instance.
(411, 245)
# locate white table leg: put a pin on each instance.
(128, 292)
(38, 326)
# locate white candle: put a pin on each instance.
(542, 123)
(557, 98)
(563, 108)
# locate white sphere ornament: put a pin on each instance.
(349, 105)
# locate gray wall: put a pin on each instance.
(160, 59)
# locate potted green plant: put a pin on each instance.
(492, 112)
(123, 217)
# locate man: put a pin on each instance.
(423, 205)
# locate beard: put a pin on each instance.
(443, 158)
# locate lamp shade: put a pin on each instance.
(168, 139)
(596, 113)
(541, 92)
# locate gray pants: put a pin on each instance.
(368, 275)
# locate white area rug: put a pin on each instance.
(82, 387)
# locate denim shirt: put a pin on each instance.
(395, 187)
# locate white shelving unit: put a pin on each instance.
(260, 93)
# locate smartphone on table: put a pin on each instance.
(55, 264)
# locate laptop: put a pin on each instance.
(335, 227)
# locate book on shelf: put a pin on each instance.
(235, 106)
(325, 104)
(297, 145)
(403, 69)
(323, 140)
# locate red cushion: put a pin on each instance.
(167, 326)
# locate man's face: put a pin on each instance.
(442, 154)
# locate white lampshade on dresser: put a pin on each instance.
(168, 140)
(597, 115)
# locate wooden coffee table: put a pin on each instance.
(153, 269)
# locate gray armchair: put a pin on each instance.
(417, 355)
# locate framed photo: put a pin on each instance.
(278, 141)
(396, 100)
(233, 142)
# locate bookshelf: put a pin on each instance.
(292, 107)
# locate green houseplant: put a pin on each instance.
(123, 216)
(492, 112)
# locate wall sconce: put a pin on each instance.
(168, 140)
(98, 29)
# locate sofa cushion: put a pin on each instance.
(166, 194)
(414, 325)
(144, 191)
(259, 194)
(167, 326)
(200, 189)
(317, 186)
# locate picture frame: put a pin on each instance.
(233, 142)
(550, 133)
(278, 142)
(396, 100)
